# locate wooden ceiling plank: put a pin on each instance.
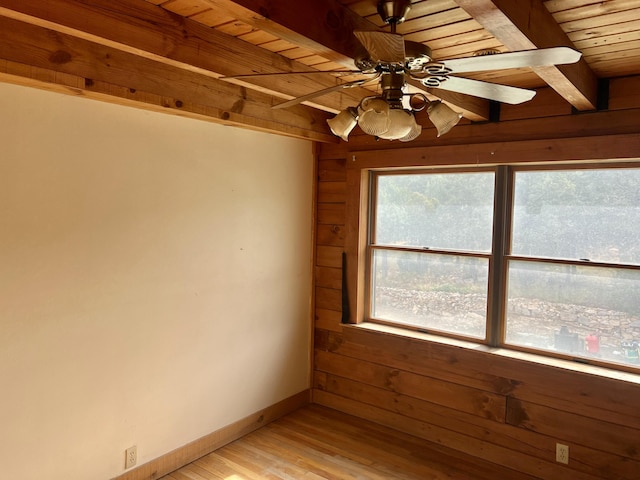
(612, 48)
(435, 20)
(35, 56)
(367, 8)
(186, 8)
(560, 5)
(457, 32)
(468, 49)
(312, 60)
(617, 64)
(527, 24)
(601, 22)
(258, 37)
(277, 46)
(580, 36)
(441, 47)
(594, 10)
(140, 28)
(362, 8)
(211, 18)
(235, 28)
(419, 9)
(330, 66)
(324, 27)
(296, 53)
(583, 42)
(428, 7)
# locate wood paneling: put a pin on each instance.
(509, 408)
(329, 256)
(400, 383)
(331, 213)
(329, 277)
(331, 235)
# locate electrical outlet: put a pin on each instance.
(130, 457)
(562, 453)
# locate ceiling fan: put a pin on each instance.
(390, 59)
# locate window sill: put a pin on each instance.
(573, 366)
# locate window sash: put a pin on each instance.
(428, 265)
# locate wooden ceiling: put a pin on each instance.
(171, 54)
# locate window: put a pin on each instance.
(531, 258)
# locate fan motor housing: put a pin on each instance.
(416, 56)
(392, 84)
(394, 11)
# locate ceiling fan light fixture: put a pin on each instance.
(415, 132)
(402, 122)
(344, 122)
(418, 102)
(390, 121)
(443, 117)
(374, 116)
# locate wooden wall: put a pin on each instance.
(501, 407)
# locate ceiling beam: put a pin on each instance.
(326, 29)
(527, 24)
(151, 32)
(37, 56)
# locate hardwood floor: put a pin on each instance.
(317, 443)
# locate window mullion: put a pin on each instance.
(497, 265)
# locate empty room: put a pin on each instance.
(335, 239)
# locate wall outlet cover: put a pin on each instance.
(562, 453)
(130, 457)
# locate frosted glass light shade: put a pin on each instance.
(343, 123)
(443, 117)
(402, 122)
(374, 116)
(415, 132)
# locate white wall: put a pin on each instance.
(154, 281)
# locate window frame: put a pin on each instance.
(360, 201)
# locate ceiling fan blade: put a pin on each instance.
(491, 91)
(543, 57)
(383, 47)
(335, 88)
(255, 75)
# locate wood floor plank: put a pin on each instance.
(280, 463)
(360, 446)
(322, 460)
(400, 469)
(401, 455)
(318, 443)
